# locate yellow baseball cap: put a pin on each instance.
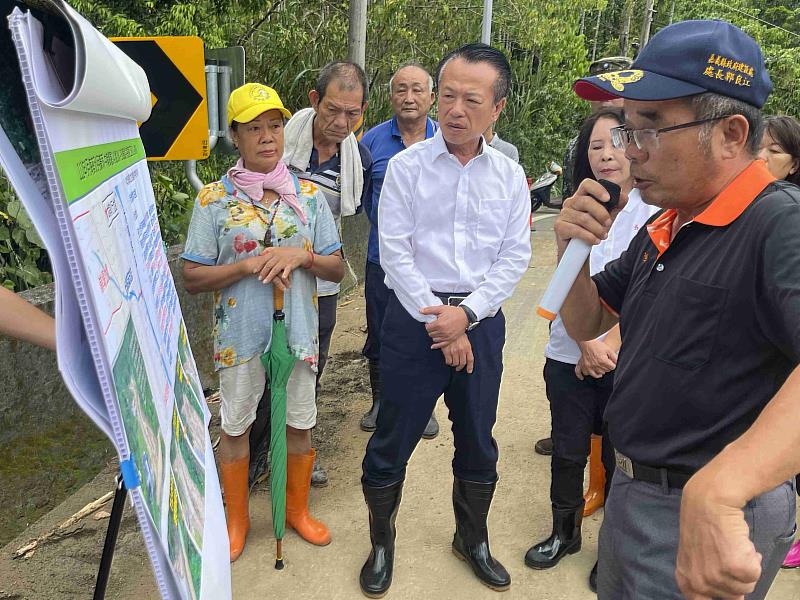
(250, 100)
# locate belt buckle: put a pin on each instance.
(455, 300)
(624, 463)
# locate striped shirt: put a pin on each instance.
(326, 177)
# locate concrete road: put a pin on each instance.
(425, 567)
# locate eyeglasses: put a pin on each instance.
(647, 139)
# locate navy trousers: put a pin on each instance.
(414, 376)
(576, 408)
(377, 296)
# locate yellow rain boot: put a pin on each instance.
(234, 482)
(298, 484)
(595, 497)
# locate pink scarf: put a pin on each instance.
(278, 180)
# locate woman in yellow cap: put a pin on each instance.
(260, 225)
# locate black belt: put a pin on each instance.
(452, 298)
(659, 476)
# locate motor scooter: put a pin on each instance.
(540, 188)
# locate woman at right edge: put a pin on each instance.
(780, 148)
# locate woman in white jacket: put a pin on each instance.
(579, 376)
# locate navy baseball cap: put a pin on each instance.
(684, 59)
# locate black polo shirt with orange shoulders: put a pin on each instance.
(710, 323)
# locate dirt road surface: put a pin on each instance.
(425, 567)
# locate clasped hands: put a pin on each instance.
(275, 265)
(448, 333)
(597, 359)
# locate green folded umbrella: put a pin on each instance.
(278, 362)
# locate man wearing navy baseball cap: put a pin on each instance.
(707, 388)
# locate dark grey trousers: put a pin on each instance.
(639, 539)
(327, 321)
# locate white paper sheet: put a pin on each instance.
(100, 68)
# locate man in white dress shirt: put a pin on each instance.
(454, 242)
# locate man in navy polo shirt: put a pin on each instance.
(411, 89)
(707, 388)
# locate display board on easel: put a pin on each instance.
(122, 344)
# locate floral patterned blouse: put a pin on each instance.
(228, 226)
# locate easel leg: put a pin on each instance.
(111, 539)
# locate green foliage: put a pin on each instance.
(548, 54)
(23, 262)
(775, 25)
(540, 37)
(297, 38)
(779, 40)
(174, 207)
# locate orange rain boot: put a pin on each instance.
(234, 482)
(595, 497)
(298, 484)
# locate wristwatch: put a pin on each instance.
(472, 318)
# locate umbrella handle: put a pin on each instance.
(277, 297)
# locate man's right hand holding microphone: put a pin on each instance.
(584, 215)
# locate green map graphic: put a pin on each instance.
(183, 553)
(140, 420)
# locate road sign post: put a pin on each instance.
(224, 72)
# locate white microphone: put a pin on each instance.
(571, 264)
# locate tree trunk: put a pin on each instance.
(648, 20)
(596, 34)
(625, 35)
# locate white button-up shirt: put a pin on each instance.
(448, 227)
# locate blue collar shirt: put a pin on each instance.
(383, 141)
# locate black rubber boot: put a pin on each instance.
(369, 420)
(431, 429)
(565, 539)
(471, 501)
(544, 447)
(383, 503)
(593, 578)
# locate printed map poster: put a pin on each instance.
(85, 98)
